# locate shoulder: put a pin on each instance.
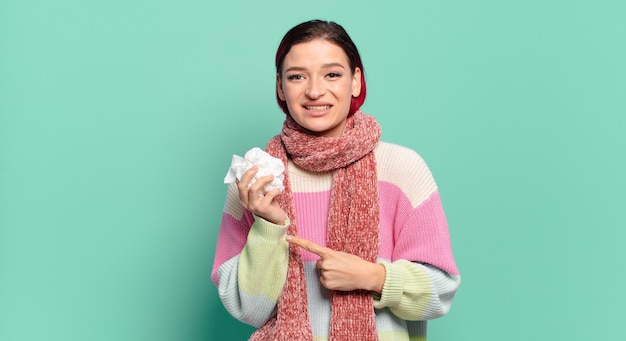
(390, 150)
(392, 158)
(404, 168)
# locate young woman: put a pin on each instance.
(357, 246)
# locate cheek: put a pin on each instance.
(343, 90)
(292, 99)
(290, 92)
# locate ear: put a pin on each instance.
(279, 88)
(356, 82)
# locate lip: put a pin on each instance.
(317, 109)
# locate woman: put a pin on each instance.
(356, 247)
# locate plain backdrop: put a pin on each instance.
(118, 120)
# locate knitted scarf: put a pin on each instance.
(352, 226)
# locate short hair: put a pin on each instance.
(326, 30)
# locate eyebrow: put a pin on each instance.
(324, 66)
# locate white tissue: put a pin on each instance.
(268, 165)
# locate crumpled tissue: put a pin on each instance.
(268, 165)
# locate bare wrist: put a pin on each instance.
(378, 278)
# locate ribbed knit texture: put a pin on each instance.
(252, 256)
(352, 226)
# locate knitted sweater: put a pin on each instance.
(421, 276)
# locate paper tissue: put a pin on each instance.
(268, 165)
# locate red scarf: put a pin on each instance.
(352, 226)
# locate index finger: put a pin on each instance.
(248, 175)
(308, 245)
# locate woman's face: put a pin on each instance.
(317, 85)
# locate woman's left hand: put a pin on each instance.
(343, 271)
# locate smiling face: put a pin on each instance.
(317, 84)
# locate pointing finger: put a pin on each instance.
(308, 245)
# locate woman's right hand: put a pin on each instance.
(255, 199)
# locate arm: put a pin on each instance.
(250, 283)
(415, 291)
(412, 291)
(422, 277)
(251, 255)
(341, 270)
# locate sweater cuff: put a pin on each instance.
(264, 229)
(393, 287)
(403, 279)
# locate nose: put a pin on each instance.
(315, 88)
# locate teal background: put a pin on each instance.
(118, 120)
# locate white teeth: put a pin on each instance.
(318, 107)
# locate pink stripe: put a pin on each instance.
(231, 240)
(417, 234)
(393, 203)
(312, 213)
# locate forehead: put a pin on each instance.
(315, 52)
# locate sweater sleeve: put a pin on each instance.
(249, 282)
(422, 278)
(414, 291)
(421, 274)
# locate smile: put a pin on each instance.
(317, 107)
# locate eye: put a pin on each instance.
(333, 75)
(295, 77)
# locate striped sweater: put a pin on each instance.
(421, 276)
